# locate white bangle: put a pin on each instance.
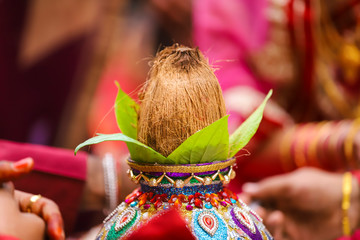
(110, 182)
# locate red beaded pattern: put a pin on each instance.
(198, 200)
(244, 218)
(209, 222)
(124, 218)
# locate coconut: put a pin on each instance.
(181, 96)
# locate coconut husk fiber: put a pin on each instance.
(181, 96)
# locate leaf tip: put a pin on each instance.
(76, 150)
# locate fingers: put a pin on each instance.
(268, 189)
(8, 186)
(246, 198)
(55, 226)
(274, 221)
(12, 170)
(45, 208)
(281, 227)
(262, 212)
(15, 223)
(51, 214)
(34, 227)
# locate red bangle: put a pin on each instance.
(356, 174)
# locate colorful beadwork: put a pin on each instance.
(181, 179)
(255, 215)
(198, 200)
(201, 231)
(244, 218)
(124, 222)
(208, 222)
(211, 210)
(124, 219)
(186, 190)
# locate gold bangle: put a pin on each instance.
(335, 155)
(346, 190)
(299, 148)
(285, 149)
(349, 142)
(312, 153)
(191, 168)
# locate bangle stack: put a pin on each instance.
(328, 145)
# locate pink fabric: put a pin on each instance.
(226, 31)
(355, 236)
(3, 237)
(47, 159)
(57, 174)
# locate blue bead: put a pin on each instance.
(166, 207)
(134, 203)
(208, 206)
(187, 190)
(232, 200)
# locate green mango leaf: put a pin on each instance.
(247, 129)
(126, 113)
(140, 153)
(207, 145)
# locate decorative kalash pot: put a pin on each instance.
(181, 153)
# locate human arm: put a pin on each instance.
(328, 145)
(305, 204)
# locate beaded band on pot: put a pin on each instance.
(181, 175)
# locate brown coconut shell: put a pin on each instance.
(181, 96)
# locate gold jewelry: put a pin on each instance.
(179, 183)
(349, 143)
(312, 149)
(335, 48)
(33, 200)
(299, 149)
(340, 103)
(335, 156)
(191, 168)
(285, 149)
(346, 190)
(324, 135)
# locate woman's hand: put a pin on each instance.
(12, 170)
(305, 204)
(18, 224)
(46, 209)
(15, 223)
(16, 207)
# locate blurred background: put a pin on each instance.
(59, 61)
(57, 56)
